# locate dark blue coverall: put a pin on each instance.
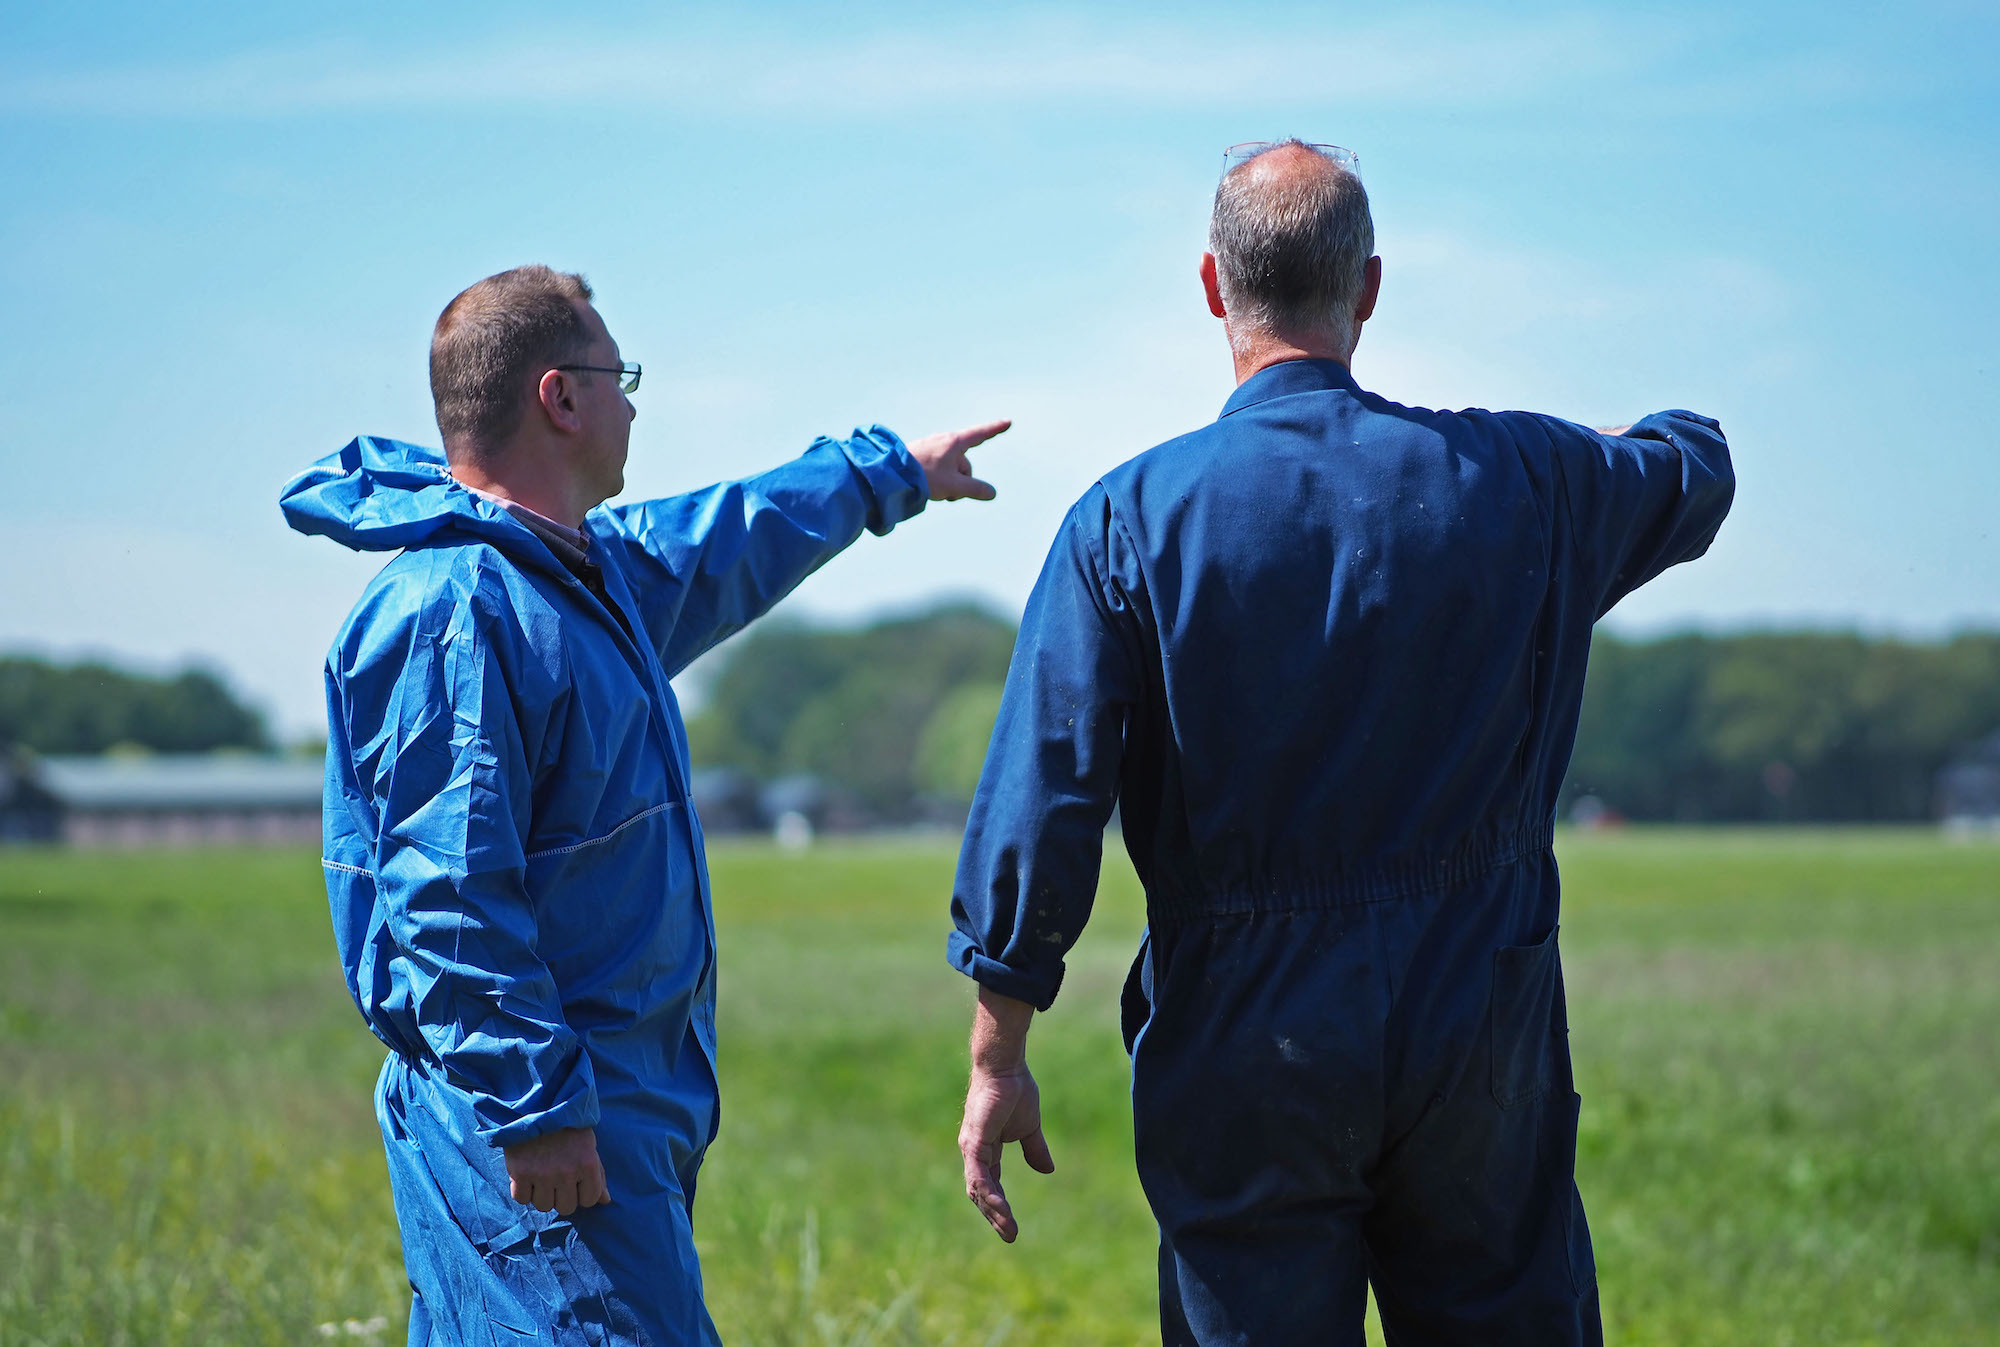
(1326, 656)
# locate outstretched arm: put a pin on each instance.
(706, 564)
(1640, 498)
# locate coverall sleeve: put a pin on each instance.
(450, 867)
(1027, 873)
(708, 563)
(1643, 501)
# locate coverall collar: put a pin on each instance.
(1288, 377)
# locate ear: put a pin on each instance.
(1371, 290)
(557, 395)
(1211, 287)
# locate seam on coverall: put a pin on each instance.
(597, 841)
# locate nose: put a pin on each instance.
(631, 412)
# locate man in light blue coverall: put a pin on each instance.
(1326, 655)
(516, 872)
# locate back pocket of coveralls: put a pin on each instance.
(1525, 1014)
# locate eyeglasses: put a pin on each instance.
(1237, 155)
(628, 374)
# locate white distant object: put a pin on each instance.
(793, 831)
(1590, 814)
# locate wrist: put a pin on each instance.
(1000, 1034)
(1002, 1067)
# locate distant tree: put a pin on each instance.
(848, 706)
(766, 679)
(1635, 743)
(862, 734)
(1776, 712)
(90, 707)
(952, 748)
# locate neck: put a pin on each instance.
(1256, 352)
(520, 477)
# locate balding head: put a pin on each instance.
(1292, 236)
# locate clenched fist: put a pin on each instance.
(558, 1171)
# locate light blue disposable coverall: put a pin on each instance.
(515, 868)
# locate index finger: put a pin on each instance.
(982, 1185)
(971, 435)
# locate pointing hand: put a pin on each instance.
(945, 465)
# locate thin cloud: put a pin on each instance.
(1031, 62)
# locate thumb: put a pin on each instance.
(1035, 1150)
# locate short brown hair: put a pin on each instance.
(489, 341)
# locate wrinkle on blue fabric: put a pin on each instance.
(514, 866)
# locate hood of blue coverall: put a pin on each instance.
(382, 495)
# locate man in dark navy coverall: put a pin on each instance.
(1326, 655)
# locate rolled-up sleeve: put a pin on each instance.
(450, 873)
(706, 564)
(1028, 871)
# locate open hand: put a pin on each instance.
(1001, 1107)
(558, 1171)
(945, 465)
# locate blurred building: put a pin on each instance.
(28, 813)
(727, 800)
(168, 799)
(1969, 788)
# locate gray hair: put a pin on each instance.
(1291, 249)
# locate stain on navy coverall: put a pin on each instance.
(1326, 656)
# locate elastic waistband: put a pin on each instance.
(1411, 875)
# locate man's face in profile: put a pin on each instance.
(605, 411)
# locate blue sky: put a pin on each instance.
(226, 232)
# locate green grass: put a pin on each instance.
(1788, 1046)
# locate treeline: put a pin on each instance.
(1780, 727)
(1807, 727)
(1748, 728)
(90, 707)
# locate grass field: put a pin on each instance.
(1788, 1046)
